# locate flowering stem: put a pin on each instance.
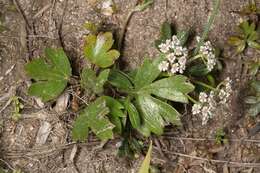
(194, 58)
(192, 99)
(205, 85)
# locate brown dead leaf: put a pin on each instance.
(62, 102)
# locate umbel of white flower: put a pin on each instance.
(208, 54)
(176, 56)
(208, 102)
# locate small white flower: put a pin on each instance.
(205, 114)
(163, 66)
(208, 52)
(203, 97)
(175, 68)
(196, 109)
(171, 57)
(212, 101)
(178, 51)
(182, 62)
(225, 92)
(198, 38)
(107, 7)
(175, 41)
(164, 48)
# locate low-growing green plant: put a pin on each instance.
(16, 115)
(250, 9)
(248, 36)
(220, 137)
(142, 100)
(254, 100)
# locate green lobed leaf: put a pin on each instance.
(116, 113)
(251, 100)
(120, 80)
(173, 88)
(133, 114)
(235, 41)
(147, 73)
(114, 106)
(166, 33)
(254, 67)
(254, 45)
(183, 36)
(156, 113)
(198, 70)
(101, 80)
(93, 117)
(51, 76)
(256, 86)
(254, 109)
(97, 49)
(150, 112)
(90, 81)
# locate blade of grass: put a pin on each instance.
(208, 25)
(146, 163)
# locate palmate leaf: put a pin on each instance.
(51, 75)
(147, 73)
(133, 114)
(120, 80)
(173, 88)
(97, 49)
(115, 113)
(155, 114)
(93, 117)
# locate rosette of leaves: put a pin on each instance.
(248, 36)
(98, 49)
(254, 100)
(146, 103)
(250, 10)
(51, 74)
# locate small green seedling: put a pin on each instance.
(248, 37)
(221, 137)
(254, 100)
(18, 106)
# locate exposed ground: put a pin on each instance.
(33, 25)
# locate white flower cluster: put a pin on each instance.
(225, 92)
(208, 53)
(208, 102)
(206, 107)
(176, 56)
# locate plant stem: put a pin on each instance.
(192, 99)
(204, 85)
(194, 58)
(208, 25)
